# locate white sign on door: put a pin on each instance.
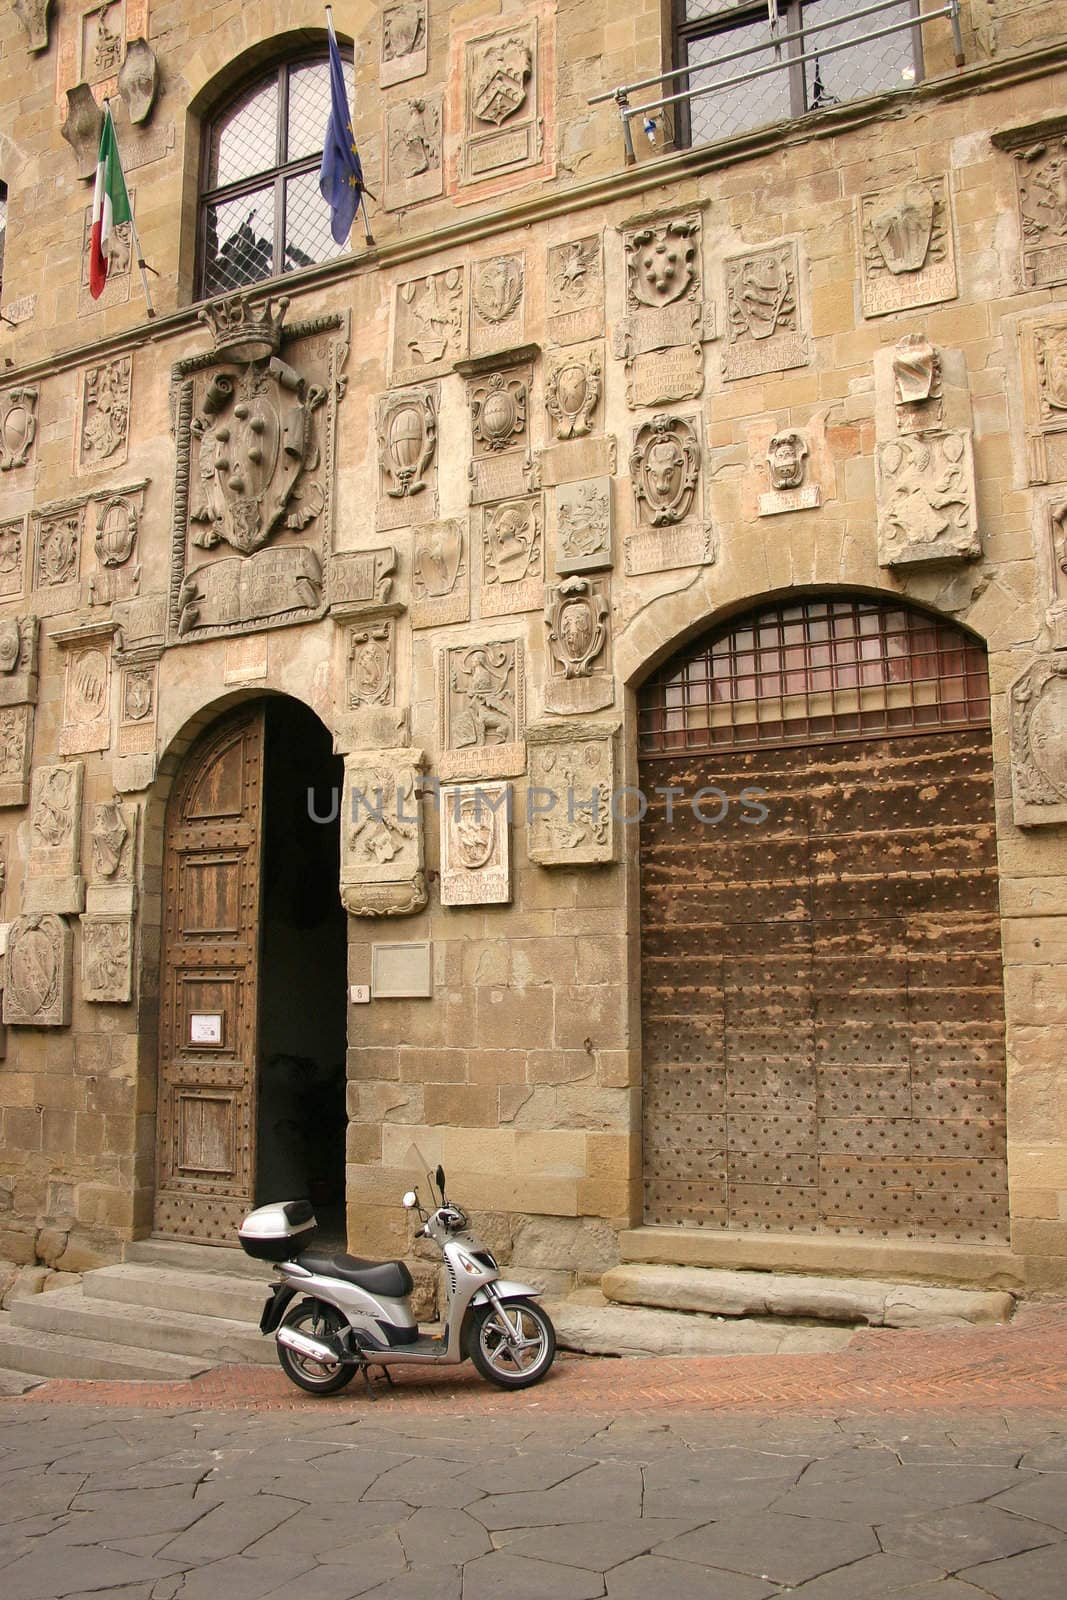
(205, 1028)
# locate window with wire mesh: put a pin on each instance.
(841, 668)
(261, 213)
(772, 39)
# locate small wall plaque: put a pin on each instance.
(401, 971)
(205, 1028)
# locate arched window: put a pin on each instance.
(261, 213)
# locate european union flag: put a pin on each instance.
(341, 173)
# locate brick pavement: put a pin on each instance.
(1021, 1366)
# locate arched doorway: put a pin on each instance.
(823, 1027)
(251, 1096)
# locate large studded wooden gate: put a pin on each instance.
(822, 986)
(207, 1068)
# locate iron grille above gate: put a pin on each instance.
(822, 669)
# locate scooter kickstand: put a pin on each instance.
(364, 1368)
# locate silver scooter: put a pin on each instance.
(355, 1314)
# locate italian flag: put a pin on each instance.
(111, 205)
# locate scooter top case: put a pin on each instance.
(278, 1232)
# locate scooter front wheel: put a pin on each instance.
(512, 1345)
(317, 1377)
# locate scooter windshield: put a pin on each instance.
(419, 1164)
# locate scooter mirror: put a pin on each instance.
(440, 1176)
(411, 1200)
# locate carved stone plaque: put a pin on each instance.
(117, 515)
(671, 529)
(407, 457)
(34, 15)
(429, 325)
(361, 580)
(576, 290)
(574, 381)
(405, 38)
(102, 41)
(113, 843)
(575, 459)
(414, 154)
(667, 320)
(18, 426)
(86, 691)
(907, 253)
(1044, 361)
(513, 556)
(38, 972)
(926, 500)
(371, 664)
(481, 710)
(584, 526)
(104, 425)
(116, 290)
(578, 619)
(502, 126)
(763, 324)
(107, 959)
(16, 754)
(54, 881)
(137, 709)
(1041, 179)
(662, 376)
(256, 421)
(475, 824)
(57, 537)
(500, 462)
(12, 557)
(382, 851)
(572, 773)
(787, 458)
(1054, 540)
(1039, 742)
(440, 575)
(497, 290)
(19, 644)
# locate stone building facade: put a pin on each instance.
(586, 490)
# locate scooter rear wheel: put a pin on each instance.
(513, 1346)
(317, 1377)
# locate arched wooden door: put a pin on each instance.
(822, 1005)
(208, 1002)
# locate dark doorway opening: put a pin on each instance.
(301, 1117)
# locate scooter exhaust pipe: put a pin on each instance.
(312, 1348)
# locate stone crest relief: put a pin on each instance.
(926, 500)
(917, 384)
(573, 386)
(1054, 527)
(1044, 354)
(440, 575)
(103, 41)
(763, 332)
(19, 643)
(578, 620)
(54, 881)
(787, 458)
(573, 765)
(475, 824)
(116, 290)
(34, 16)
(113, 841)
(500, 464)
(907, 253)
(38, 972)
(137, 709)
(429, 325)
(497, 303)
(667, 320)
(371, 664)
(12, 557)
(405, 37)
(86, 688)
(256, 432)
(382, 849)
(513, 561)
(576, 290)
(117, 519)
(18, 426)
(107, 959)
(16, 754)
(583, 526)
(482, 710)
(407, 457)
(1038, 713)
(665, 478)
(502, 126)
(1041, 180)
(105, 415)
(57, 540)
(414, 158)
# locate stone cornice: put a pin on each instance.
(627, 183)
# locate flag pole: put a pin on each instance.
(369, 237)
(141, 262)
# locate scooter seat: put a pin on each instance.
(389, 1278)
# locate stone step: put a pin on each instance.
(59, 1355)
(589, 1323)
(12, 1383)
(937, 1261)
(722, 1293)
(210, 1341)
(205, 1294)
(219, 1260)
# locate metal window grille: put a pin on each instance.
(840, 668)
(261, 214)
(706, 31)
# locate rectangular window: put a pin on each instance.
(707, 31)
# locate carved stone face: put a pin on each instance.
(785, 458)
(664, 468)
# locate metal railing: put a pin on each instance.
(621, 95)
